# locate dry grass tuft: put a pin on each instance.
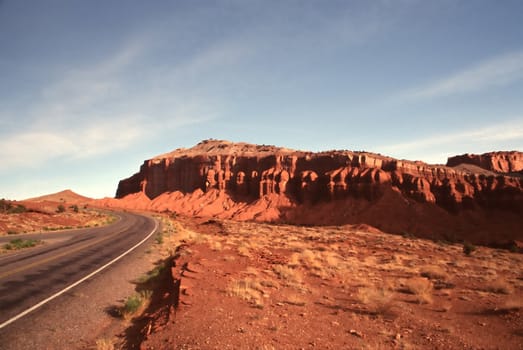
(250, 270)
(191, 236)
(174, 234)
(266, 347)
(295, 299)
(320, 263)
(287, 274)
(377, 300)
(434, 272)
(331, 259)
(104, 344)
(311, 259)
(244, 251)
(294, 260)
(248, 289)
(420, 287)
(215, 245)
(498, 286)
(269, 283)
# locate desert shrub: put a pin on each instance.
(152, 275)
(468, 248)
(75, 208)
(159, 238)
(19, 243)
(60, 208)
(4, 205)
(132, 304)
(408, 235)
(443, 242)
(513, 247)
(135, 303)
(19, 208)
(8, 207)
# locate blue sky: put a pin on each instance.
(89, 89)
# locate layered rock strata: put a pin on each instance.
(501, 162)
(249, 172)
(241, 181)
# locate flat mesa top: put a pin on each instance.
(223, 147)
(227, 148)
(212, 147)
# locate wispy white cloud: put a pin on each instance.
(497, 71)
(69, 121)
(435, 148)
(227, 53)
(95, 110)
(31, 149)
(84, 92)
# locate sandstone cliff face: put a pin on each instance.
(287, 185)
(249, 172)
(501, 162)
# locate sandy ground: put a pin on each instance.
(45, 218)
(246, 285)
(260, 286)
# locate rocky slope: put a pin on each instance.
(244, 181)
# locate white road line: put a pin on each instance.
(45, 301)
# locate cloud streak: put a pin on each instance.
(94, 110)
(498, 71)
(30, 149)
(437, 147)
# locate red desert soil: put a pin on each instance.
(42, 213)
(247, 285)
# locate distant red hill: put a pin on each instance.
(66, 196)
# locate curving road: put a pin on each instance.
(29, 277)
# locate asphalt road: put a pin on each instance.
(30, 276)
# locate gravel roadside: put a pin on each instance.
(80, 317)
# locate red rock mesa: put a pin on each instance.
(479, 198)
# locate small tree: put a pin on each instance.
(75, 208)
(60, 208)
(468, 248)
(19, 209)
(5, 205)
